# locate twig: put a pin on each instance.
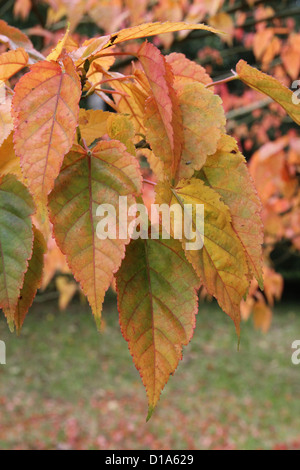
(237, 113)
(224, 80)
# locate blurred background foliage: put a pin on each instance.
(266, 35)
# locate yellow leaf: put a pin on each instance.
(152, 29)
(221, 263)
(93, 124)
(269, 86)
(67, 289)
(9, 162)
(121, 128)
(59, 48)
(226, 172)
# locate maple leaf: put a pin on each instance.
(158, 304)
(269, 86)
(46, 107)
(221, 263)
(12, 62)
(32, 280)
(16, 239)
(85, 182)
(226, 172)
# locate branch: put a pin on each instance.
(237, 113)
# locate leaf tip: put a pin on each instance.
(150, 413)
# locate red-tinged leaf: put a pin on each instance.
(187, 71)
(162, 115)
(12, 62)
(16, 239)
(226, 172)
(152, 29)
(32, 280)
(46, 106)
(14, 37)
(157, 303)
(221, 263)
(85, 182)
(269, 86)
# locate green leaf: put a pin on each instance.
(158, 304)
(16, 240)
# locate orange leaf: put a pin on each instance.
(14, 37)
(46, 106)
(262, 316)
(86, 182)
(12, 62)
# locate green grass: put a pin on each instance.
(66, 386)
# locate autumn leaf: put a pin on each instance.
(12, 62)
(162, 113)
(119, 127)
(32, 280)
(221, 263)
(57, 51)
(158, 304)
(131, 102)
(46, 107)
(16, 239)
(269, 86)
(14, 37)
(187, 71)
(67, 289)
(152, 29)
(226, 172)
(9, 162)
(6, 122)
(262, 316)
(86, 182)
(93, 124)
(203, 123)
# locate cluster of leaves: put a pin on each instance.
(59, 160)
